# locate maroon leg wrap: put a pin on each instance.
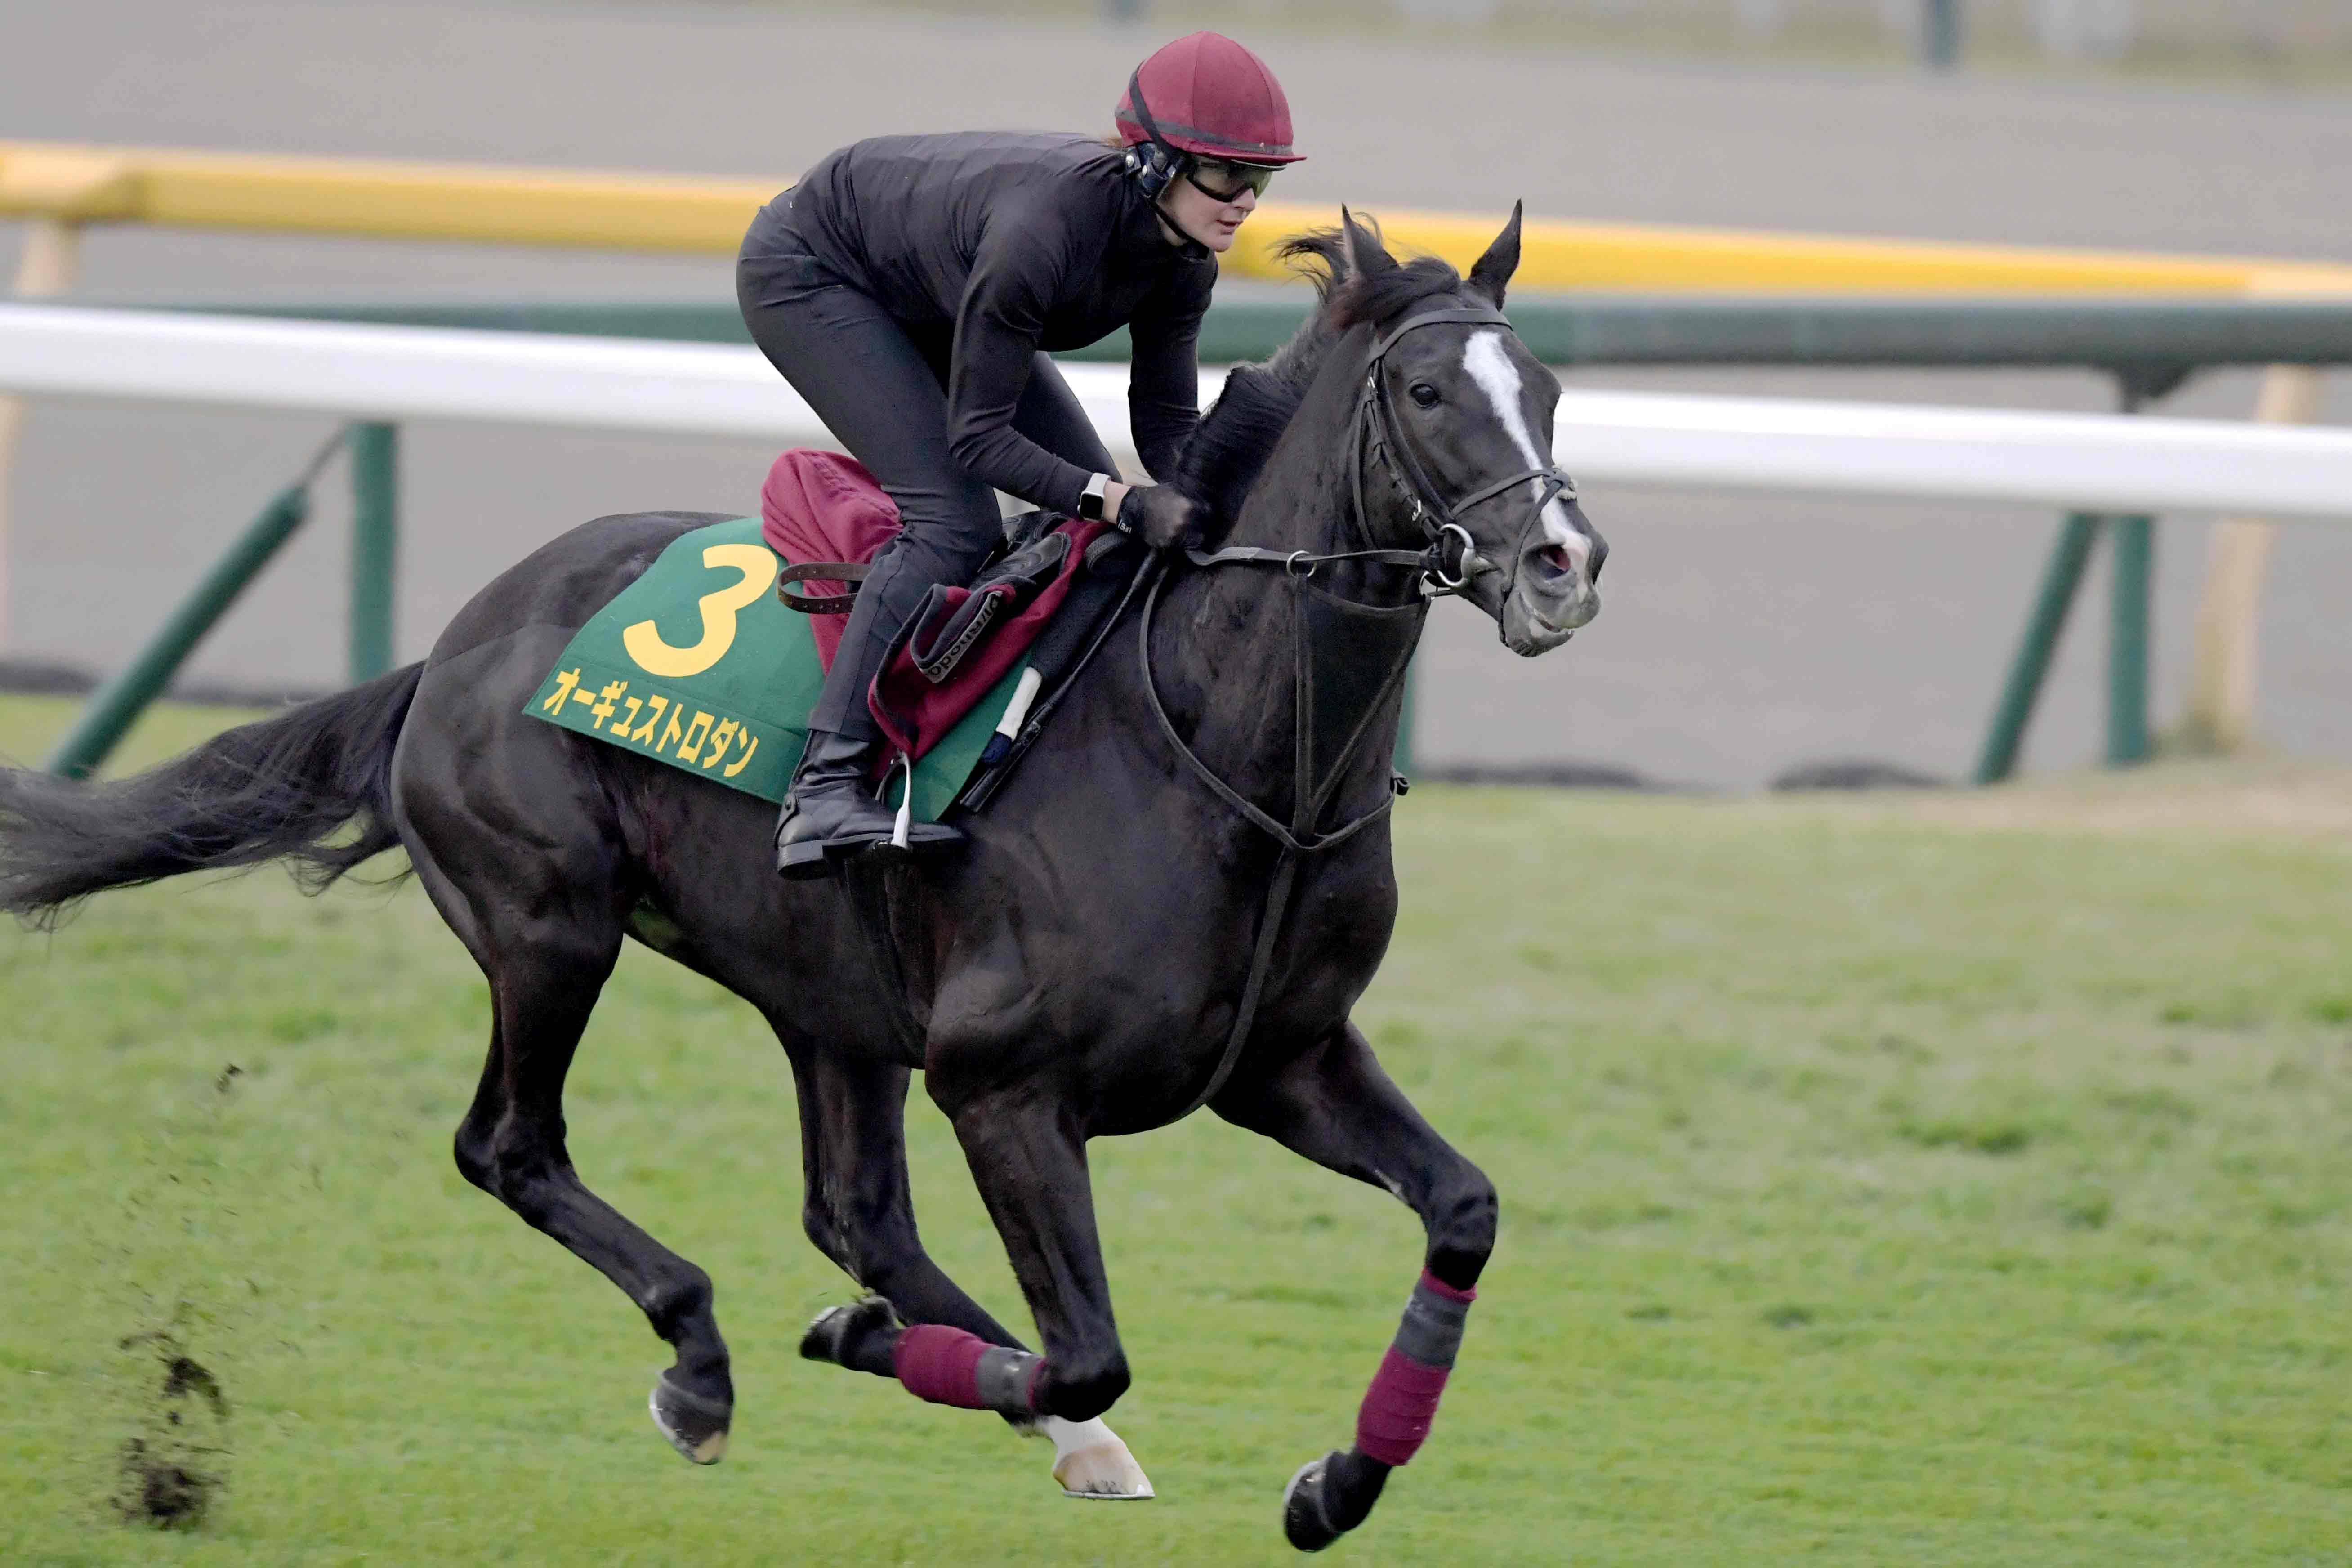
(1402, 1401)
(948, 1366)
(1398, 1408)
(940, 1365)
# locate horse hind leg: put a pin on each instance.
(514, 834)
(546, 968)
(512, 1145)
(859, 1212)
(1334, 1105)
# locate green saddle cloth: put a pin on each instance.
(696, 664)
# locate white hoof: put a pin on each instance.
(1091, 1462)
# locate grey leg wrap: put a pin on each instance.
(1007, 1379)
(1431, 1332)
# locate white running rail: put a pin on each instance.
(2085, 462)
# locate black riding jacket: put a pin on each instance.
(1015, 241)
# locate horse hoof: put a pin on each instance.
(834, 1333)
(696, 1427)
(1305, 1524)
(1092, 1463)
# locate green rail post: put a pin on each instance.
(116, 705)
(2059, 580)
(1939, 35)
(1402, 760)
(2127, 638)
(375, 541)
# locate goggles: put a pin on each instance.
(1222, 179)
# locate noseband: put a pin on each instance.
(1449, 560)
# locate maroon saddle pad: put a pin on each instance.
(823, 507)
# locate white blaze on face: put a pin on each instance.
(1487, 363)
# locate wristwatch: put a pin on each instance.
(1090, 500)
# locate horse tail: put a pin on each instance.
(283, 788)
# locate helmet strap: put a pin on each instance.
(1153, 162)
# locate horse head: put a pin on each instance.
(1451, 440)
(1454, 437)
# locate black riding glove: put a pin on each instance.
(1161, 516)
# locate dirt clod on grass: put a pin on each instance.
(156, 1492)
(171, 1476)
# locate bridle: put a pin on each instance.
(1378, 435)
(1448, 562)
(1444, 566)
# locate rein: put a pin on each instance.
(1444, 566)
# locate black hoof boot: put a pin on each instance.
(695, 1425)
(860, 1336)
(1329, 1497)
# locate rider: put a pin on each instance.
(910, 287)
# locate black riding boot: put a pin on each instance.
(832, 811)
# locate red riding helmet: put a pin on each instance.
(1206, 95)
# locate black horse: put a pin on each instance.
(1160, 908)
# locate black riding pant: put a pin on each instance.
(881, 389)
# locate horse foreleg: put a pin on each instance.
(858, 1209)
(1334, 1105)
(860, 1213)
(1032, 1172)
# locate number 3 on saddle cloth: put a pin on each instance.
(698, 664)
(821, 510)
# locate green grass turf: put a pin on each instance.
(1938, 1180)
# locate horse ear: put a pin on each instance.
(1492, 275)
(1366, 254)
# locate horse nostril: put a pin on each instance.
(1558, 562)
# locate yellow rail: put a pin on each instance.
(384, 200)
(77, 185)
(1660, 260)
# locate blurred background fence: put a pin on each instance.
(405, 360)
(2205, 312)
(1748, 630)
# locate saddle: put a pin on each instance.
(1051, 584)
(953, 621)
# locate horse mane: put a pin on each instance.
(1354, 294)
(1379, 294)
(1230, 447)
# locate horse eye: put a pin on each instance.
(1423, 393)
